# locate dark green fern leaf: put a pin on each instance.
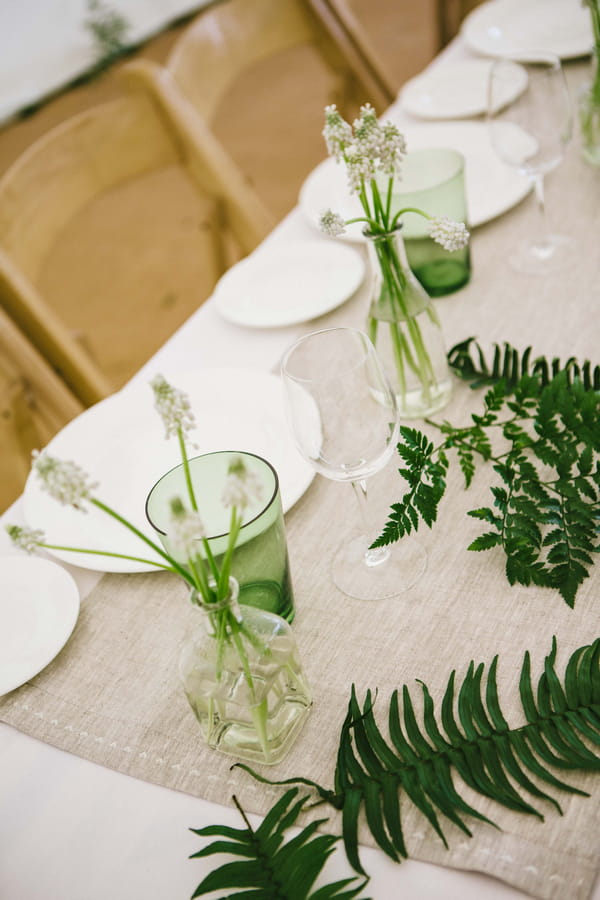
(426, 479)
(468, 362)
(471, 736)
(269, 868)
(549, 529)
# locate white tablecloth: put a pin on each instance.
(45, 44)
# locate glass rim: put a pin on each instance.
(266, 506)
(449, 152)
(365, 339)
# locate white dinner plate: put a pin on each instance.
(492, 187)
(455, 91)
(302, 281)
(503, 27)
(121, 443)
(39, 605)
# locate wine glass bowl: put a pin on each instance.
(343, 415)
(530, 134)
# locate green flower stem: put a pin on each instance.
(192, 497)
(410, 348)
(140, 559)
(379, 211)
(388, 202)
(235, 524)
(259, 711)
(197, 569)
(172, 563)
(364, 199)
(186, 469)
(227, 630)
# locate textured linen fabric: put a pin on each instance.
(112, 695)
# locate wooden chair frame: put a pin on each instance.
(48, 184)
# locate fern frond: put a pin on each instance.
(468, 362)
(472, 737)
(270, 868)
(426, 479)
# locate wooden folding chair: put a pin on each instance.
(260, 73)
(450, 14)
(114, 228)
(356, 29)
(34, 404)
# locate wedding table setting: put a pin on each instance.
(104, 770)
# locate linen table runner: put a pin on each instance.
(112, 695)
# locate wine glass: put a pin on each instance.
(531, 134)
(343, 414)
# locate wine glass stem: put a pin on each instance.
(538, 185)
(379, 554)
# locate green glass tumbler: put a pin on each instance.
(260, 559)
(433, 180)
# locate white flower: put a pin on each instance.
(27, 539)
(332, 223)
(360, 167)
(392, 149)
(337, 132)
(186, 528)
(450, 234)
(62, 479)
(173, 406)
(241, 486)
(367, 131)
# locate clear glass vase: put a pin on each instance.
(589, 116)
(243, 678)
(404, 326)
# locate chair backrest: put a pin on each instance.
(34, 404)
(260, 73)
(93, 210)
(450, 15)
(354, 26)
(227, 39)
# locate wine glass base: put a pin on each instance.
(555, 252)
(405, 563)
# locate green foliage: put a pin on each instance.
(470, 736)
(427, 484)
(108, 29)
(270, 869)
(508, 365)
(545, 513)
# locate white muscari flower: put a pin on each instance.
(62, 479)
(392, 149)
(450, 234)
(337, 132)
(186, 528)
(173, 406)
(28, 539)
(360, 167)
(332, 223)
(241, 486)
(367, 131)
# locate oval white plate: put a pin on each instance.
(502, 27)
(454, 91)
(120, 442)
(39, 605)
(302, 281)
(492, 187)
